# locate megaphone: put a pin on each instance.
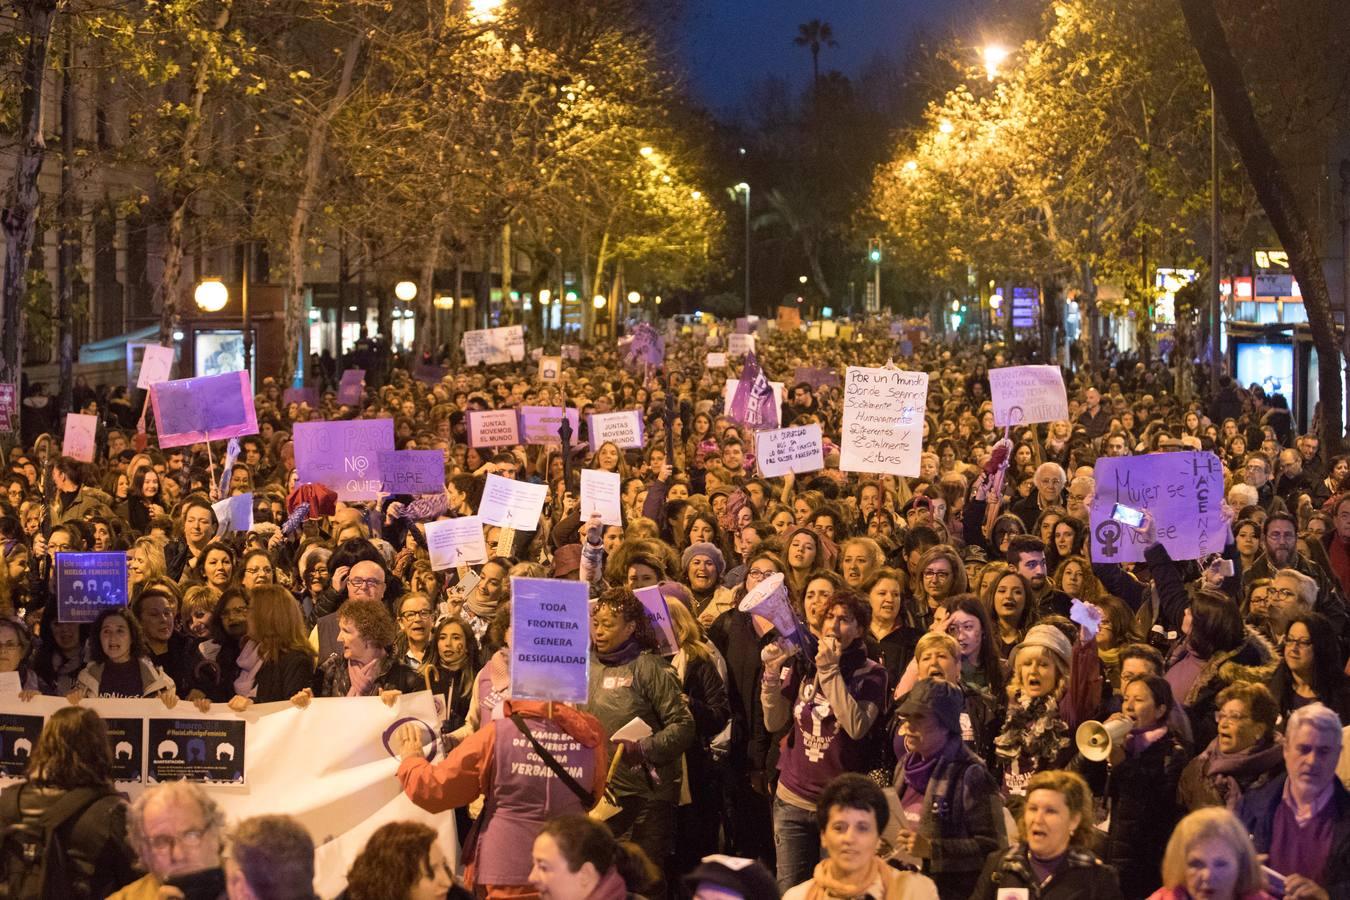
(769, 601)
(1095, 739)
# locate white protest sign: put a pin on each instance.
(1182, 490)
(512, 504)
(156, 365)
(493, 428)
(623, 429)
(600, 495)
(658, 613)
(740, 344)
(716, 361)
(234, 513)
(1027, 394)
(729, 392)
(783, 450)
(883, 420)
(550, 367)
(494, 346)
(456, 542)
(829, 329)
(79, 437)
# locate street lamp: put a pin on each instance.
(211, 295)
(634, 297)
(744, 186)
(405, 291)
(545, 296)
(994, 56)
(598, 301)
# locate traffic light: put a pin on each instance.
(874, 250)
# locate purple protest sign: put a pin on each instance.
(430, 374)
(9, 405)
(646, 346)
(753, 403)
(816, 377)
(351, 387)
(343, 456)
(208, 408)
(411, 471)
(539, 424)
(550, 642)
(623, 429)
(301, 395)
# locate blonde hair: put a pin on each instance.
(688, 630)
(1077, 796)
(1061, 672)
(275, 623)
(1212, 822)
(938, 637)
(152, 558)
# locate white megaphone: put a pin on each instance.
(769, 601)
(1095, 739)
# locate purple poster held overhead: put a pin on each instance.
(344, 456)
(351, 387)
(551, 639)
(208, 408)
(411, 471)
(540, 424)
(301, 395)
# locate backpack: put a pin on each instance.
(34, 862)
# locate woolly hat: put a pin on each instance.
(703, 549)
(1049, 638)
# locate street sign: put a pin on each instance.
(1274, 286)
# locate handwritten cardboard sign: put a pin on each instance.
(883, 420)
(493, 428)
(208, 408)
(740, 344)
(87, 583)
(411, 471)
(784, 450)
(550, 639)
(79, 438)
(1183, 491)
(512, 504)
(540, 424)
(156, 364)
(716, 361)
(234, 513)
(494, 346)
(344, 456)
(601, 495)
(456, 542)
(572, 352)
(623, 429)
(1026, 394)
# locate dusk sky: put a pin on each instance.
(727, 44)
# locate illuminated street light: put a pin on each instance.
(634, 297)
(658, 299)
(405, 291)
(545, 296)
(994, 55)
(211, 295)
(598, 301)
(911, 165)
(802, 279)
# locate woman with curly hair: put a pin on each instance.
(628, 680)
(401, 861)
(365, 666)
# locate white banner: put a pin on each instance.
(327, 765)
(494, 345)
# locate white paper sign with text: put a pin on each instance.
(1027, 394)
(456, 542)
(783, 450)
(883, 420)
(600, 495)
(156, 365)
(623, 429)
(512, 504)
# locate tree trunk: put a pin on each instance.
(180, 192)
(67, 240)
(304, 209)
(19, 218)
(508, 308)
(1279, 201)
(597, 283)
(424, 337)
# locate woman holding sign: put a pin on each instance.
(629, 681)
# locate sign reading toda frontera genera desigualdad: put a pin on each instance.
(550, 639)
(1182, 490)
(1023, 395)
(883, 420)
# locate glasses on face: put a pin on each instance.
(258, 570)
(1238, 718)
(1298, 643)
(360, 583)
(413, 615)
(10, 646)
(937, 574)
(190, 840)
(1281, 594)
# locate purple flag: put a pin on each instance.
(752, 405)
(208, 408)
(296, 519)
(427, 507)
(351, 387)
(646, 346)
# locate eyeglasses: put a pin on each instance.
(1222, 717)
(190, 840)
(360, 583)
(256, 570)
(1282, 593)
(937, 574)
(963, 627)
(1300, 643)
(412, 614)
(7, 646)
(759, 573)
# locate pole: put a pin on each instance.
(1345, 259)
(876, 287)
(243, 302)
(747, 251)
(1214, 322)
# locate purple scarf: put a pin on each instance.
(622, 655)
(918, 771)
(1227, 772)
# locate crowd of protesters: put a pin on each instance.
(919, 737)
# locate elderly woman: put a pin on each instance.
(701, 567)
(366, 666)
(1211, 856)
(859, 559)
(950, 815)
(1054, 860)
(1247, 752)
(1036, 735)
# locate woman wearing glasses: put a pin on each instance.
(1311, 668)
(941, 575)
(1246, 754)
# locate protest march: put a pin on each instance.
(719, 610)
